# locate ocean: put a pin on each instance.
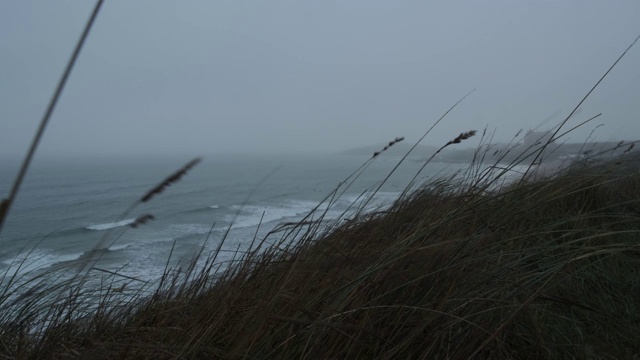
(66, 208)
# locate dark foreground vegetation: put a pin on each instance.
(461, 268)
(546, 267)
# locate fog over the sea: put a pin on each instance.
(210, 77)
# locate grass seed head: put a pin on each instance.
(171, 179)
(462, 136)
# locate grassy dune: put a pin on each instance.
(546, 267)
(459, 268)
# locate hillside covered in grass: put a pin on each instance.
(458, 269)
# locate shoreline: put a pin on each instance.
(382, 276)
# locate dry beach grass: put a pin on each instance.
(546, 266)
(534, 269)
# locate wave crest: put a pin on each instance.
(111, 225)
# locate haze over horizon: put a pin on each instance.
(199, 77)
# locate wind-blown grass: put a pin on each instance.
(465, 267)
(533, 269)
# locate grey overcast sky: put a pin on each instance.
(205, 77)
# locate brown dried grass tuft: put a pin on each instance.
(450, 272)
(390, 144)
(171, 179)
(461, 137)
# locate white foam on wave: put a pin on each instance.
(36, 260)
(189, 229)
(79, 255)
(111, 225)
(214, 206)
(252, 215)
(381, 199)
(119, 247)
(151, 260)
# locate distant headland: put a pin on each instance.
(506, 152)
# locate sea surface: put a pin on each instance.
(68, 209)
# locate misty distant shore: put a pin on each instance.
(500, 153)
